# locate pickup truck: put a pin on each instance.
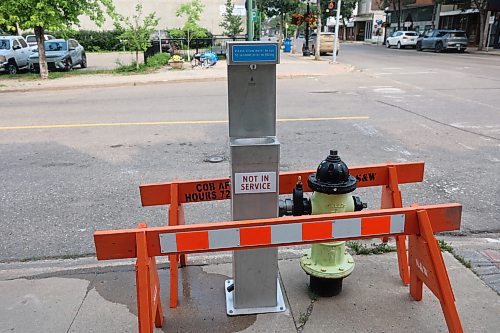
(14, 53)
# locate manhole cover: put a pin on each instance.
(215, 159)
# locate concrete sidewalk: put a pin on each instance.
(84, 295)
(291, 66)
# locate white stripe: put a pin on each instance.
(397, 223)
(224, 238)
(346, 228)
(168, 243)
(286, 233)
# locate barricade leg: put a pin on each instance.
(149, 309)
(391, 198)
(173, 219)
(427, 266)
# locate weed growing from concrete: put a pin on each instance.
(445, 247)
(362, 249)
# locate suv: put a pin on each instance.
(402, 39)
(14, 53)
(440, 40)
(163, 37)
(31, 39)
(325, 43)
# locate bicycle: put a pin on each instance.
(204, 60)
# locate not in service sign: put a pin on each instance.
(255, 182)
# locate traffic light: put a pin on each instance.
(330, 7)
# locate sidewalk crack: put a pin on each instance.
(81, 303)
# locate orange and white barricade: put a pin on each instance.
(418, 222)
(178, 193)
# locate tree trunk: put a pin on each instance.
(136, 60)
(344, 28)
(42, 61)
(482, 22)
(318, 33)
(486, 30)
(189, 46)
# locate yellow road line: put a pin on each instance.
(187, 122)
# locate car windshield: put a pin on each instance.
(55, 46)
(410, 33)
(4, 44)
(460, 34)
(31, 39)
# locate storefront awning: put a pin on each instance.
(459, 12)
(364, 17)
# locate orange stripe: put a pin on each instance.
(188, 241)
(375, 225)
(316, 230)
(255, 236)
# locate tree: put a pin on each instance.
(346, 12)
(55, 15)
(232, 24)
(482, 6)
(135, 34)
(193, 12)
(280, 8)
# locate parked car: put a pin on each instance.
(31, 39)
(326, 43)
(61, 54)
(440, 40)
(14, 53)
(402, 39)
(164, 38)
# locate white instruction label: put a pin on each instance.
(255, 182)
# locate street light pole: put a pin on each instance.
(336, 37)
(306, 52)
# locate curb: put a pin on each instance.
(151, 82)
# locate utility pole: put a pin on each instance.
(335, 41)
(249, 4)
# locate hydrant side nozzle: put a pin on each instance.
(358, 204)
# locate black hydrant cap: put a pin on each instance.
(332, 176)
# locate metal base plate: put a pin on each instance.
(231, 311)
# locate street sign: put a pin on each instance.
(254, 15)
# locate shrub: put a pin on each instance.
(158, 60)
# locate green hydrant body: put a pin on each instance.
(328, 264)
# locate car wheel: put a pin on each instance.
(387, 44)
(84, 61)
(419, 46)
(399, 45)
(68, 65)
(13, 69)
(461, 51)
(438, 47)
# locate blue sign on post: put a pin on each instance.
(253, 53)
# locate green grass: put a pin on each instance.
(362, 249)
(56, 75)
(445, 247)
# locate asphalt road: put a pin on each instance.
(78, 174)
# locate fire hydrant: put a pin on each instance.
(327, 264)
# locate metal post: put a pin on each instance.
(306, 52)
(254, 172)
(249, 4)
(335, 41)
